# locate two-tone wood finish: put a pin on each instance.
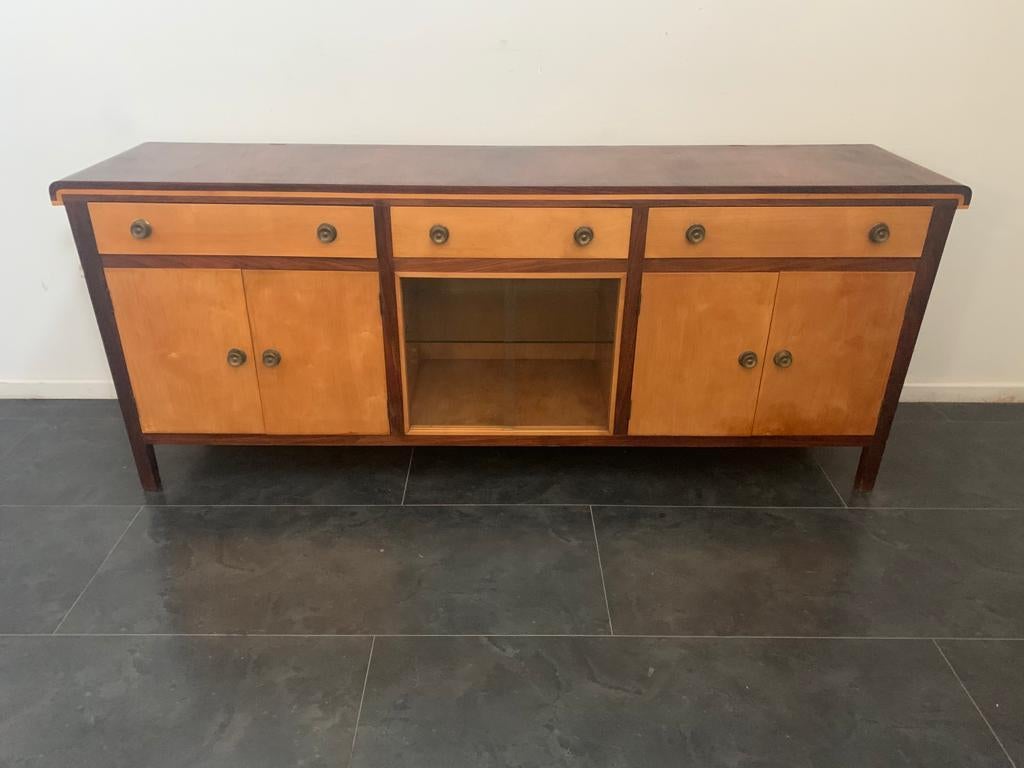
(791, 255)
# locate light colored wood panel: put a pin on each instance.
(842, 329)
(257, 195)
(327, 328)
(687, 379)
(488, 232)
(225, 229)
(539, 395)
(787, 231)
(176, 327)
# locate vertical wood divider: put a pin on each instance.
(96, 282)
(630, 319)
(389, 316)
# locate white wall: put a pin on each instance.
(935, 80)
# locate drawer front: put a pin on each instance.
(214, 229)
(510, 233)
(787, 231)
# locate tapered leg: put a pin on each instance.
(145, 464)
(867, 468)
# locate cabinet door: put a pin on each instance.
(841, 330)
(177, 327)
(688, 378)
(326, 329)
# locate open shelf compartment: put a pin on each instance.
(503, 353)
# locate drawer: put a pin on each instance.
(787, 231)
(214, 229)
(511, 233)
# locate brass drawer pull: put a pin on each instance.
(783, 358)
(583, 236)
(439, 234)
(326, 233)
(140, 229)
(748, 359)
(236, 357)
(879, 233)
(695, 234)
(271, 358)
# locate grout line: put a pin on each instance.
(600, 569)
(619, 636)
(97, 571)
(976, 707)
(833, 485)
(362, 697)
(408, 472)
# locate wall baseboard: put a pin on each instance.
(98, 389)
(912, 392)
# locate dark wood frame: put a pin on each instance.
(635, 265)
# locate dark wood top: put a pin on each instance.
(848, 168)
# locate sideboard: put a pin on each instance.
(599, 296)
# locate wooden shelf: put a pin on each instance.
(510, 394)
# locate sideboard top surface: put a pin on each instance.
(813, 169)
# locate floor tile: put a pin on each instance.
(982, 411)
(919, 412)
(62, 459)
(47, 556)
(936, 464)
(39, 408)
(628, 702)
(172, 702)
(770, 477)
(344, 570)
(993, 671)
(878, 573)
(223, 474)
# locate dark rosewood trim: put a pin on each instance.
(513, 439)
(935, 241)
(858, 264)
(85, 241)
(630, 320)
(239, 262)
(389, 318)
(617, 266)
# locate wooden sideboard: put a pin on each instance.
(387, 295)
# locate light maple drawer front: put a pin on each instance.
(785, 231)
(509, 233)
(209, 229)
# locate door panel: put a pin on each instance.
(327, 328)
(687, 378)
(176, 327)
(842, 329)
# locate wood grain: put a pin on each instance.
(327, 328)
(507, 233)
(176, 327)
(842, 329)
(787, 231)
(210, 229)
(687, 379)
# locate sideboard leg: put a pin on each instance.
(867, 468)
(145, 463)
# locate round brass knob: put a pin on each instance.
(140, 229)
(879, 233)
(326, 233)
(236, 357)
(695, 234)
(748, 359)
(783, 358)
(439, 234)
(583, 236)
(271, 358)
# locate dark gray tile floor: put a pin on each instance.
(384, 607)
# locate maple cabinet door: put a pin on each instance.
(320, 351)
(832, 343)
(699, 352)
(186, 342)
